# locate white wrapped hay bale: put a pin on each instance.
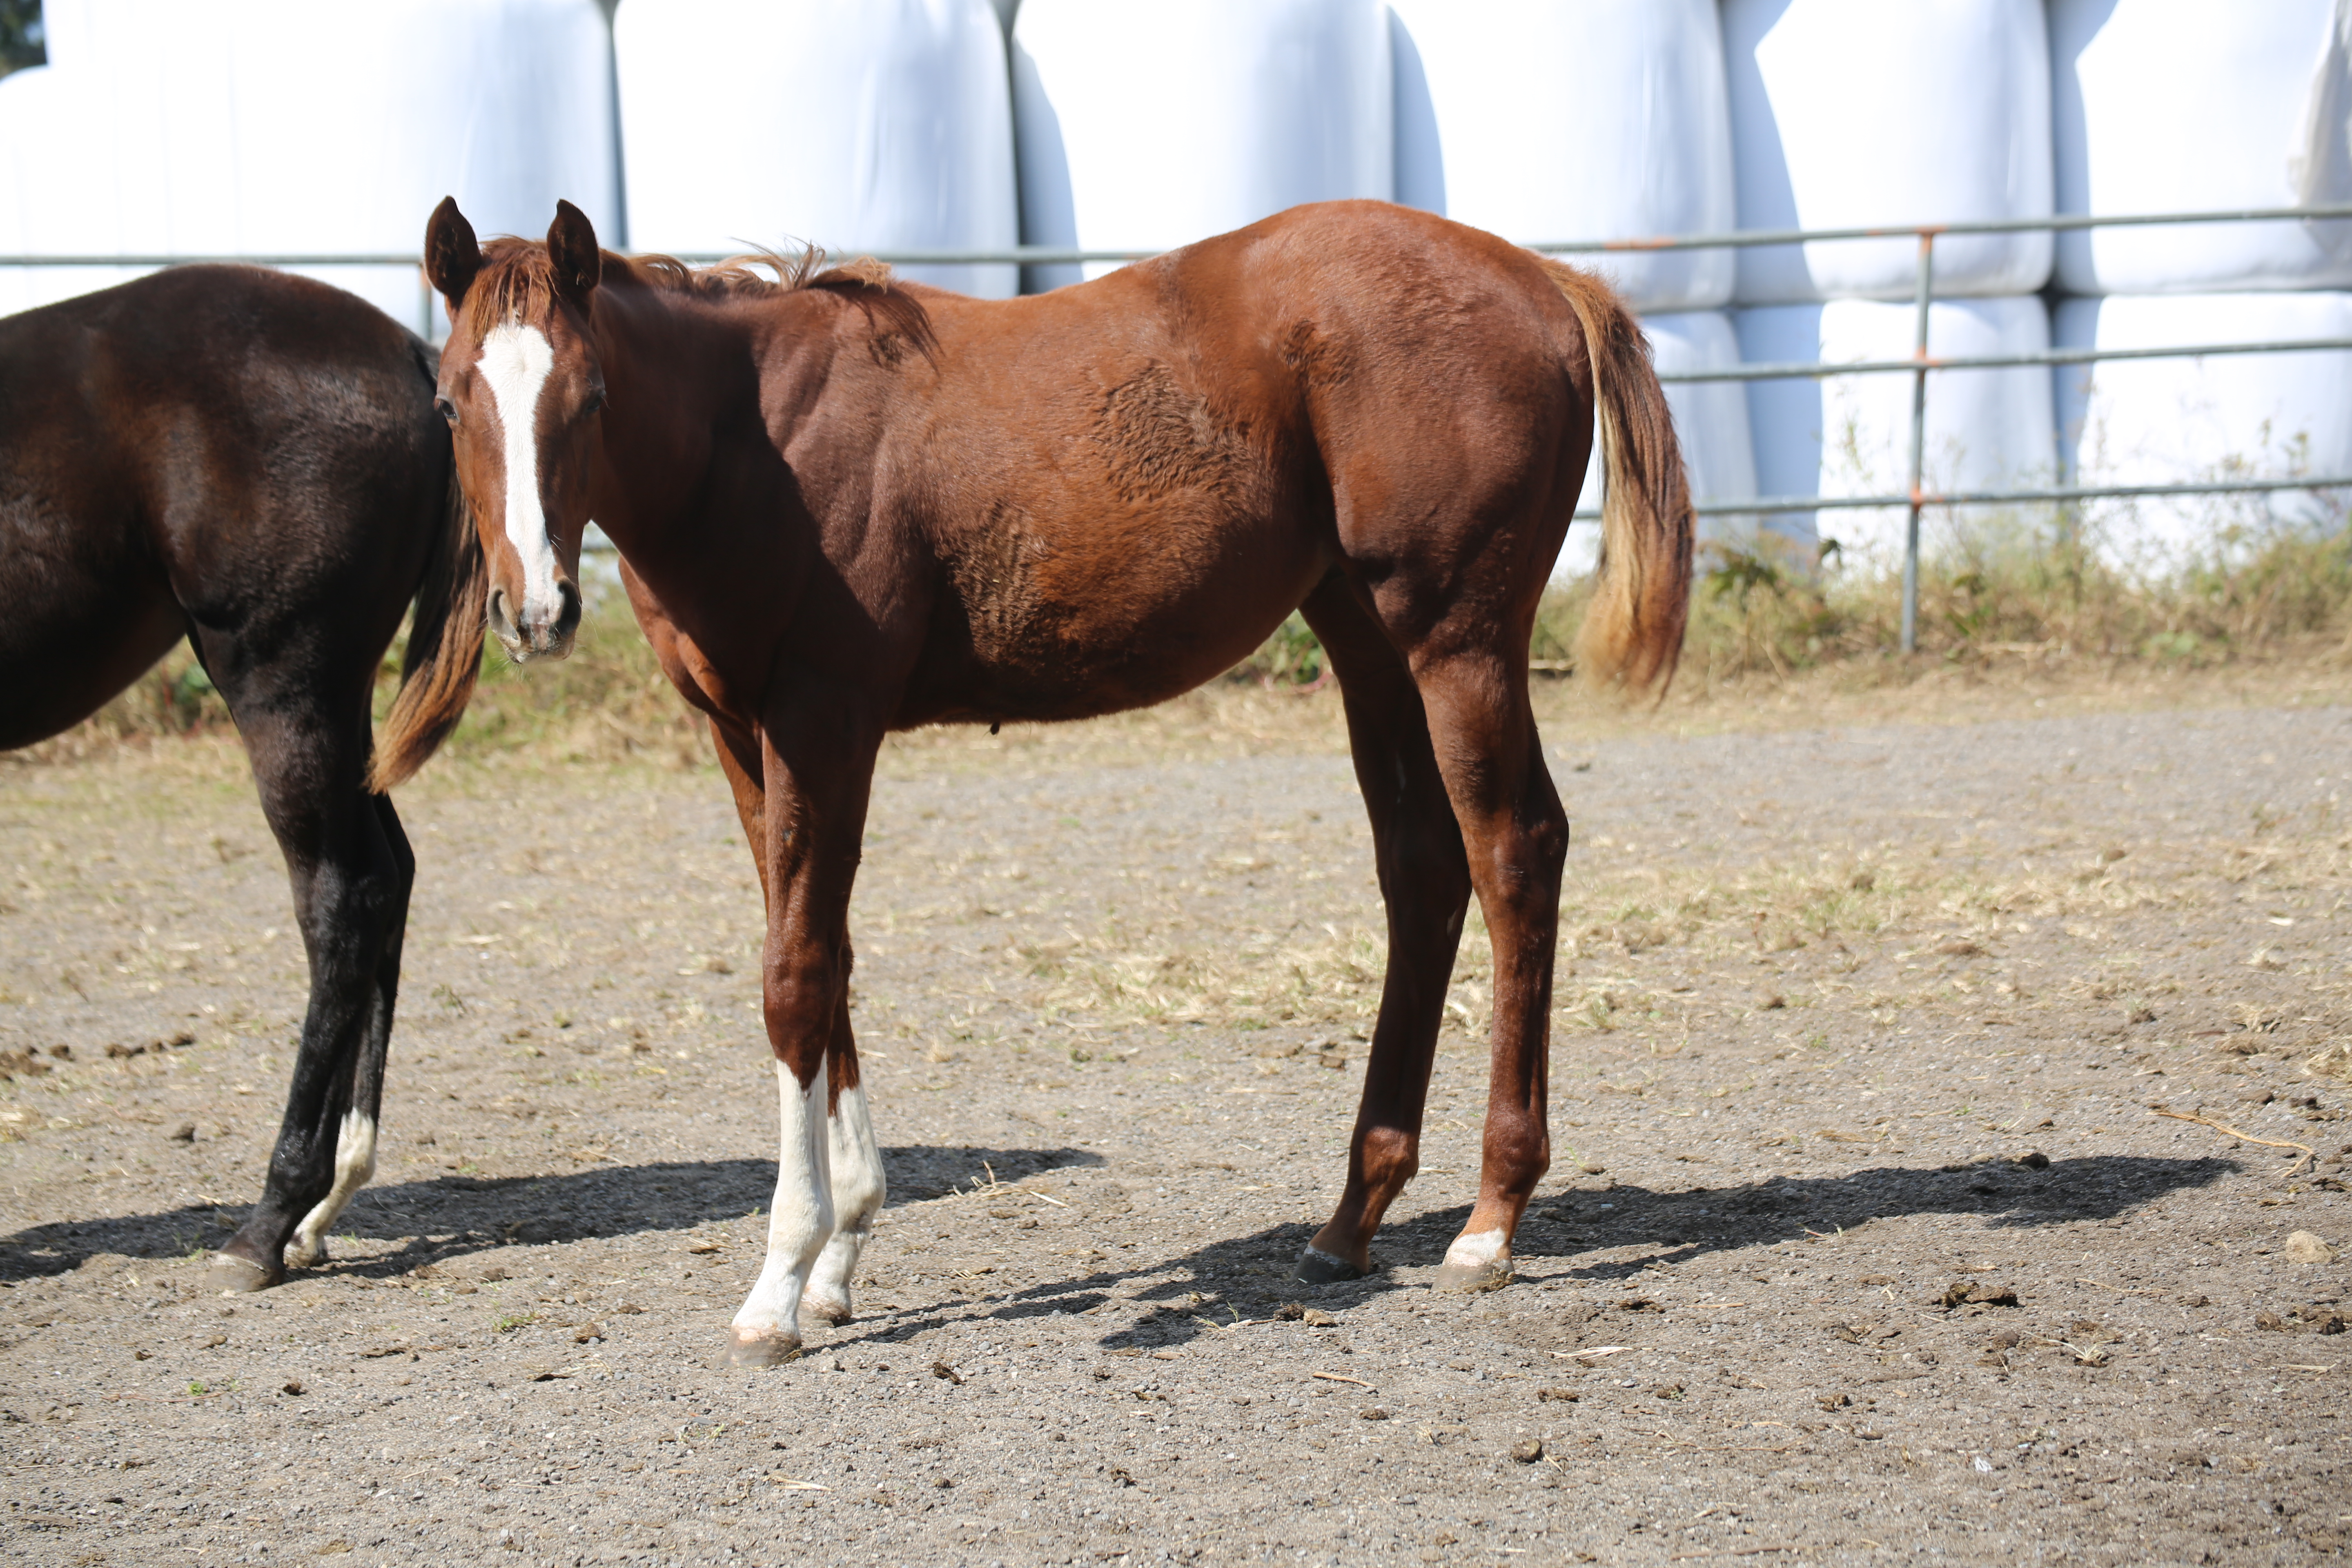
(1710, 419)
(278, 127)
(2175, 106)
(53, 193)
(2187, 421)
(1600, 120)
(1857, 113)
(1144, 127)
(885, 125)
(1851, 435)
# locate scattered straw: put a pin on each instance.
(2308, 1152)
(2334, 1061)
(1335, 1377)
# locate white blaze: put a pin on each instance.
(516, 359)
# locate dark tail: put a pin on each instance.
(1633, 635)
(445, 648)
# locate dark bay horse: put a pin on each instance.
(251, 461)
(846, 506)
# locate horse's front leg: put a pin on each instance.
(855, 1161)
(817, 761)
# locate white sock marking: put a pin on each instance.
(800, 1221)
(354, 1168)
(858, 1187)
(516, 360)
(1476, 1249)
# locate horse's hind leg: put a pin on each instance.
(355, 1134)
(351, 893)
(1425, 884)
(1517, 835)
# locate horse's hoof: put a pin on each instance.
(1316, 1267)
(300, 1254)
(834, 1310)
(1468, 1278)
(235, 1276)
(761, 1347)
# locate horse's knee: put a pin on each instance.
(1389, 1157)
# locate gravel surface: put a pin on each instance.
(1862, 1242)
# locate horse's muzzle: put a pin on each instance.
(543, 637)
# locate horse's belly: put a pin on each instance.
(71, 642)
(1040, 627)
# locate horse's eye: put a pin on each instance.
(595, 402)
(447, 410)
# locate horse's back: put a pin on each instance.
(222, 444)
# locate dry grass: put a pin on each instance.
(2005, 592)
(1802, 929)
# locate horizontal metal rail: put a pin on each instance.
(1807, 370)
(1747, 238)
(2049, 494)
(323, 258)
(1052, 256)
(2054, 493)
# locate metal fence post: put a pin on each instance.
(1918, 446)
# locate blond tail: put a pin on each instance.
(1632, 634)
(445, 650)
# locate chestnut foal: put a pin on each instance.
(846, 506)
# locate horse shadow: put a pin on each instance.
(446, 1217)
(1248, 1277)
(443, 1218)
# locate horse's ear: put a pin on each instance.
(452, 254)
(572, 246)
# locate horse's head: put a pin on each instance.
(520, 387)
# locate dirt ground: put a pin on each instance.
(1863, 1242)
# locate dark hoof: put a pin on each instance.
(1469, 1279)
(1316, 1267)
(761, 1347)
(235, 1276)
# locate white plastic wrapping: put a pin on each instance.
(882, 125)
(1147, 124)
(1851, 435)
(1856, 113)
(2175, 421)
(1600, 120)
(1710, 419)
(273, 127)
(2178, 106)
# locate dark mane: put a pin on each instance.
(516, 279)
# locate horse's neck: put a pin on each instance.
(663, 404)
